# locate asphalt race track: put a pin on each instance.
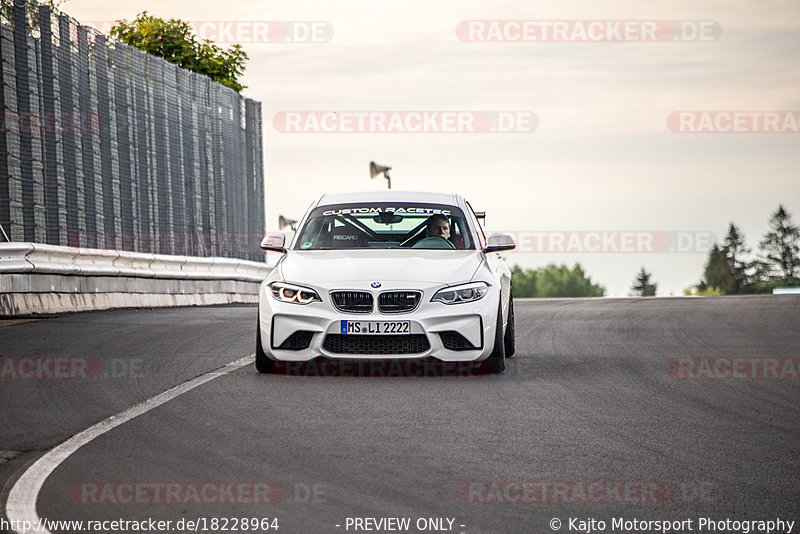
(648, 409)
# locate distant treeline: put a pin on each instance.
(554, 281)
(731, 269)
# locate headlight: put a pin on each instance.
(291, 293)
(462, 293)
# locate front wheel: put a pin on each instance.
(510, 339)
(497, 359)
(264, 364)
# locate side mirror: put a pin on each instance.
(499, 243)
(274, 241)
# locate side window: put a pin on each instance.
(301, 224)
(459, 234)
(478, 228)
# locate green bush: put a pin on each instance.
(554, 281)
(175, 41)
(702, 292)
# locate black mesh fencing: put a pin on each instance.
(105, 146)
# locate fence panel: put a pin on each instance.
(105, 146)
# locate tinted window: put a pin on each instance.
(477, 224)
(385, 225)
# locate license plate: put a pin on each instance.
(375, 327)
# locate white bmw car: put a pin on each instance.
(387, 275)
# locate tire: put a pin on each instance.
(497, 359)
(264, 364)
(509, 339)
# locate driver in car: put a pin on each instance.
(438, 226)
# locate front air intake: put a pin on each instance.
(352, 301)
(398, 301)
(453, 340)
(376, 344)
(299, 340)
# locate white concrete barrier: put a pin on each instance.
(37, 278)
(786, 291)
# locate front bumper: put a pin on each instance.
(310, 326)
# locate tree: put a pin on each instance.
(717, 272)
(642, 286)
(32, 11)
(554, 281)
(523, 282)
(560, 281)
(175, 41)
(781, 246)
(734, 249)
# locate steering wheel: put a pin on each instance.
(434, 242)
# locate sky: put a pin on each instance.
(592, 171)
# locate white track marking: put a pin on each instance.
(21, 504)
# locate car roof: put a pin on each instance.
(389, 196)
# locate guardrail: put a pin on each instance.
(38, 278)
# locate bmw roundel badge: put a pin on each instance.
(375, 284)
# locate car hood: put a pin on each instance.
(335, 267)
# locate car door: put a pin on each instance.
(495, 262)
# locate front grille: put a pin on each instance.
(376, 344)
(352, 301)
(398, 301)
(452, 340)
(297, 341)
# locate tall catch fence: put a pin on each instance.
(105, 146)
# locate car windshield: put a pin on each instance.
(385, 225)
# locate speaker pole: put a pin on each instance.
(376, 170)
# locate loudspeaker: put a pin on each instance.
(375, 170)
(283, 222)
